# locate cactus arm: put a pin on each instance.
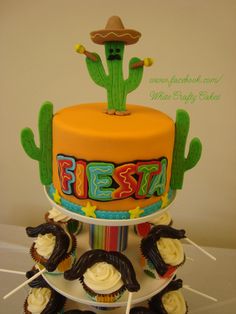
(96, 71)
(194, 154)
(28, 143)
(43, 153)
(135, 75)
(181, 164)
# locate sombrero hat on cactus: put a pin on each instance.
(115, 31)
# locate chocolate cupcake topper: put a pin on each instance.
(150, 250)
(117, 259)
(61, 245)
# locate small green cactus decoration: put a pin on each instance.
(43, 153)
(114, 37)
(180, 164)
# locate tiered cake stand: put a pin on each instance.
(73, 290)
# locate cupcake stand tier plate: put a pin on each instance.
(73, 290)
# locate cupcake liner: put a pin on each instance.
(64, 265)
(25, 307)
(104, 298)
(150, 270)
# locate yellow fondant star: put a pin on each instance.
(136, 212)
(56, 197)
(165, 200)
(89, 210)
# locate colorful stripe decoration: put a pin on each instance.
(109, 238)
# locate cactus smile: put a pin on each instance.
(114, 57)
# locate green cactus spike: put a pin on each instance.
(115, 84)
(180, 164)
(43, 153)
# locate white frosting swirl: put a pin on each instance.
(57, 216)
(103, 278)
(174, 303)
(38, 300)
(44, 244)
(164, 219)
(171, 251)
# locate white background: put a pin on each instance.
(38, 63)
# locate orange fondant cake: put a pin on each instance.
(115, 163)
(112, 160)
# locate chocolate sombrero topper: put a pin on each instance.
(117, 259)
(115, 31)
(38, 282)
(114, 37)
(149, 247)
(61, 246)
(156, 302)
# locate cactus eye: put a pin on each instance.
(111, 50)
(118, 50)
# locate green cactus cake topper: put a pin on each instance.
(114, 37)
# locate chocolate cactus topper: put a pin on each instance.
(114, 37)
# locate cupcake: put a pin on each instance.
(162, 251)
(170, 300)
(53, 247)
(70, 225)
(104, 275)
(42, 298)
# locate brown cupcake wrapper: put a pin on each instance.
(43, 261)
(25, 307)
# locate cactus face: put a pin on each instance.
(114, 52)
